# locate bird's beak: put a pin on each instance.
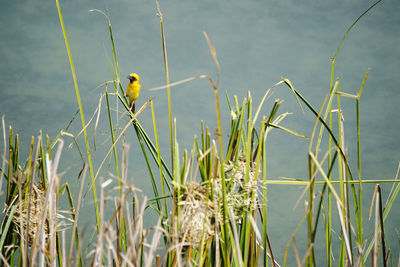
(129, 77)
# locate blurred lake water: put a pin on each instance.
(257, 43)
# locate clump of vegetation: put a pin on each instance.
(30, 211)
(211, 201)
(238, 196)
(197, 215)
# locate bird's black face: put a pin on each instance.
(132, 79)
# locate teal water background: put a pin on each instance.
(257, 42)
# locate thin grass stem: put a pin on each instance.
(89, 157)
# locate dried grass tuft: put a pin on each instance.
(197, 214)
(31, 212)
(242, 196)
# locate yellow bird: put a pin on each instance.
(133, 90)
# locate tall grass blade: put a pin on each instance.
(237, 255)
(89, 157)
(160, 16)
(118, 85)
(162, 178)
(112, 132)
(75, 217)
(6, 226)
(345, 233)
(351, 26)
(224, 225)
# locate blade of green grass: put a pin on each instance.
(89, 157)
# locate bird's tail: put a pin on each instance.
(133, 107)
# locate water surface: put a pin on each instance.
(257, 42)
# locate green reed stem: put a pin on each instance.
(113, 141)
(352, 25)
(165, 213)
(82, 115)
(123, 228)
(160, 16)
(262, 149)
(360, 230)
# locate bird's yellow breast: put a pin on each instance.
(133, 91)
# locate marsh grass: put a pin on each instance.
(211, 201)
